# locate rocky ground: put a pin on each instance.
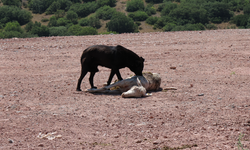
(209, 110)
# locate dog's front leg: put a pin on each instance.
(112, 73)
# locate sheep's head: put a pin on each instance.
(135, 91)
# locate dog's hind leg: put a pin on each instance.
(118, 75)
(91, 78)
(83, 73)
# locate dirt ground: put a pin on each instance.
(209, 110)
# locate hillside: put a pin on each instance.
(36, 18)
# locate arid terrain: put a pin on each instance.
(209, 110)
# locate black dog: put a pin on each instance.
(113, 57)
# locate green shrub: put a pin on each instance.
(211, 27)
(152, 20)
(154, 1)
(217, 10)
(138, 15)
(178, 28)
(94, 22)
(84, 22)
(241, 20)
(62, 22)
(120, 23)
(39, 6)
(53, 7)
(10, 13)
(13, 26)
(135, 5)
(52, 22)
(246, 10)
(150, 10)
(72, 16)
(84, 9)
(110, 3)
(58, 31)
(10, 34)
(17, 3)
(105, 12)
(169, 27)
(40, 30)
(110, 32)
(45, 20)
(78, 30)
(167, 8)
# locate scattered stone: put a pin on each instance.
(138, 141)
(11, 141)
(41, 145)
(156, 142)
(169, 88)
(202, 94)
(173, 68)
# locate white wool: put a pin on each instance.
(135, 91)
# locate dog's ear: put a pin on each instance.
(142, 59)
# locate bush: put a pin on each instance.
(62, 22)
(39, 29)
(154, 1)
(110, 32)
(10, 13)
(105, 12)
(94, 22)
(120, 23)
(152, 20)
(78, 30)
(84, 9)
(17, 3)
(10, 34)
(84, 22)
(13, 26)
(160, 23)
(72, 16)
(138, 15)
(135, 5)
(39, 6)
(59, 14)
(246, 10)
(58, 31)
(167, 8)
(217, 10)
(178, 28)
(150, 10)
(169, 27)
(52, 22)
(110, 3)
(45, 20)
(53, 7)
(211, 27)
(241, 20)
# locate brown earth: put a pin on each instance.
(209, 110)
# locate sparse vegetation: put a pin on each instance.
(163, 15)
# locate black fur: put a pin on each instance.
(113, 57)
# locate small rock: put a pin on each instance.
(156, 142)
(11, 141)
(40, 145)
(172, 67)
(138, 141)
(202, 94)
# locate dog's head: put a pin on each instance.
(137, 66)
